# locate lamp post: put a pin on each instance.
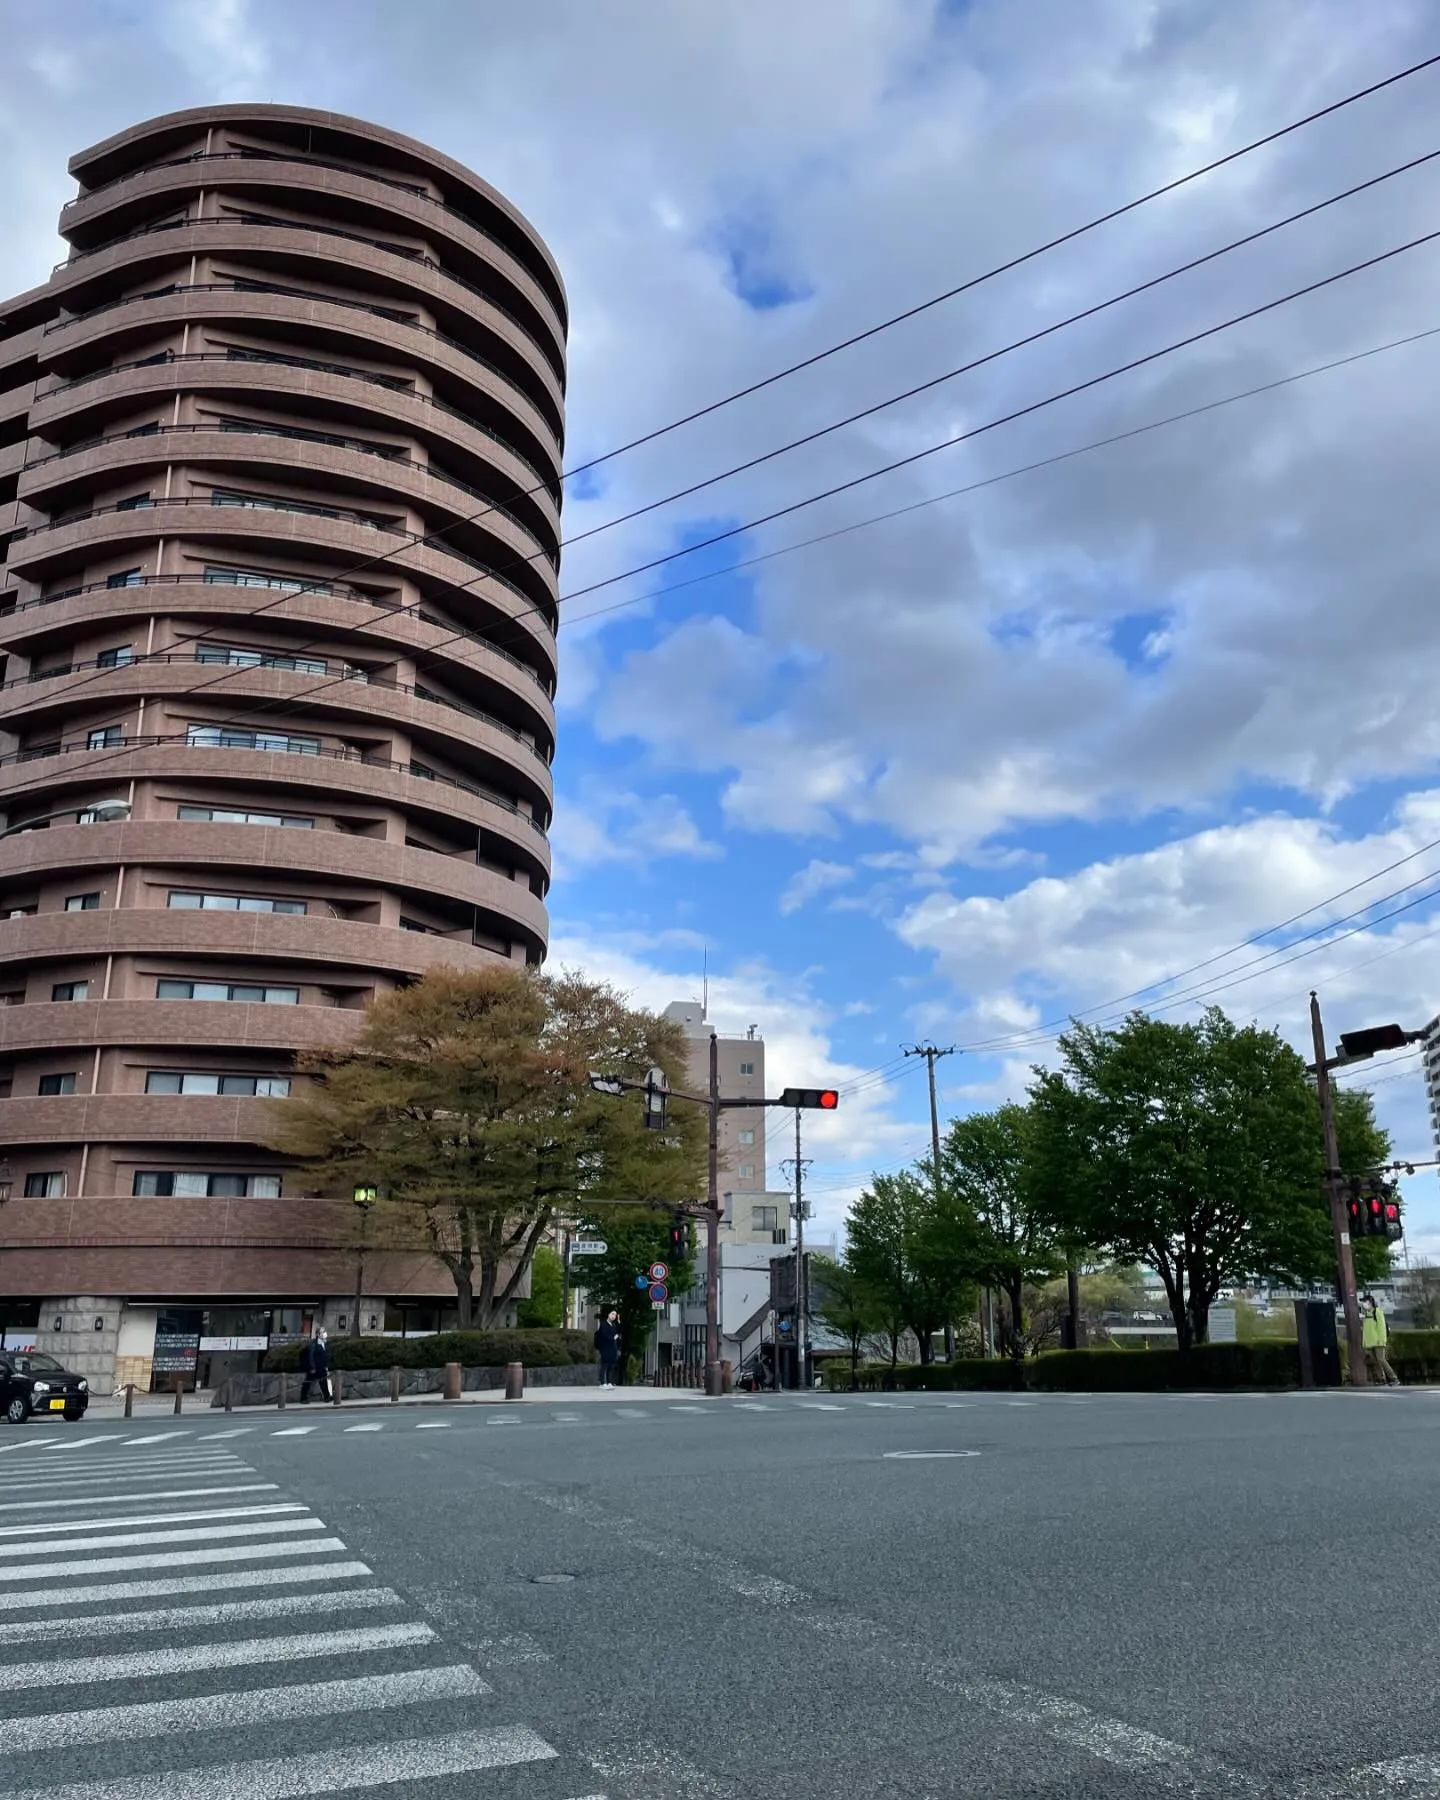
(364, 1196)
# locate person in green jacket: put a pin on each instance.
(1375, 1334)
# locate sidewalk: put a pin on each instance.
(151, 1409)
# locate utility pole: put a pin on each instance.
(802, 1293)
(1345, 1261)
(932, 1055)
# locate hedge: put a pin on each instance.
(1263, 1363)
(472, 1349)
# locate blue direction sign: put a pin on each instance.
(642, 1282)
(659, 1293)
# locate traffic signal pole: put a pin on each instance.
(1339, 1220)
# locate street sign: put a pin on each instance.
(642, 1282)
(1222, 1325)
(659, 1271)
(659, 1293)
(588, 1247)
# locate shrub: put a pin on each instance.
(1415, 1355)
(472, 1349)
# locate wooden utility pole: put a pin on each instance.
(1344, 1259)
(713, 1380)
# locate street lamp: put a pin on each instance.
(105, 812)
(365, 1195)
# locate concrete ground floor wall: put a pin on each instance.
(158, 1343)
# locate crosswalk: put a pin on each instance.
(175, 1627)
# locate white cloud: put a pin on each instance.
(807, 884)
(604, 825)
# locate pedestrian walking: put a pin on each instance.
(607, 1342)
(1375, 1335)
(316, 1364)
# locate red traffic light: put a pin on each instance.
(821, 1099)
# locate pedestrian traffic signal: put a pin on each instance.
(679, 1236)
(1374, 1210)
(820, 1099)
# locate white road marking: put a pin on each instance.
(171, 1585)
(574, 1418)
(130, 1499)
(141, 1665)
(162, 1437)
(632, 1412)
(503, 1419)
(925, 1455)
(212, 1437)
(294, 1431)
(820, 1406)
(1017, 1403)
(433, 1425)
(182, 1518)
(957, 1405)
(166, 1559)
(327, 1772)
(902, 1405)
(690, 1409)
(175, 1618)
(85, 1443)
(88, 1477)
(196, 1535)
(751, 1406)
(364, 1428)
(255, 1706)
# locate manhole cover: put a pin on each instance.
(551, 1580)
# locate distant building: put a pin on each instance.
(1430, 1048)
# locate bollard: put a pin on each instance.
(452, 1381)
(514, 1381)
(337, 1387)
(230, 1395)
(179, 1396)
(129, 1399)
(283, 1383)
(394, 1385)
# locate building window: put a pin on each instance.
(82, 903)
(225, 737)
(234, 903)
(190, 1081)
(747, 1171)
(764, 1218)
(105, 736)
(103, 812)
(70, 990)
(48, 1184)
(220, 815)
(56, 1084)
(124, 578)
(747, 1137)
(259, 659)
(134, 503)
(117, 658)
(193, 1185)
(747, 1068)
(256, 578)
(249, 992)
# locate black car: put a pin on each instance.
(31, 1382)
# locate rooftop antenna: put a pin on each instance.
(705, 978)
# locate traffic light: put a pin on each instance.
(657, 1093)
(1374, 1210)
(1394, 1226)
(679, 1238)
(818, 1099)
(1355, 1208)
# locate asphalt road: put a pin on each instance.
(1121, 1596)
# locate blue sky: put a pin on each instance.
(1017, 752)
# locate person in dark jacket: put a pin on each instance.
(607, 1342)
(316, 1364)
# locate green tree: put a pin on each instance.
(545, 1307)
(991, 1210)
(842, 1301)
(899, 1250)
(465, 1100)
(1192, 1148)
(634, 1238)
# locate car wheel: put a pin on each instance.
(74, 1412)
(18, 1411)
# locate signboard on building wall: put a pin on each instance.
(176, 1352)
(235, 1343)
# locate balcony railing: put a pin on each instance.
(315, 162)
(361, 677)
(416, 771)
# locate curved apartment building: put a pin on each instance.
(280, 451)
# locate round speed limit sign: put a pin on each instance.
(659, 1271)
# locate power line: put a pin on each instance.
(841, 487)
(422, 540)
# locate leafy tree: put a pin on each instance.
(843, 1302)
(634, 1238)
(904, 1258)
(1108, 1290)
(546, 1306)
(991, 1212)
(465, 1101)
(1192, 1148)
